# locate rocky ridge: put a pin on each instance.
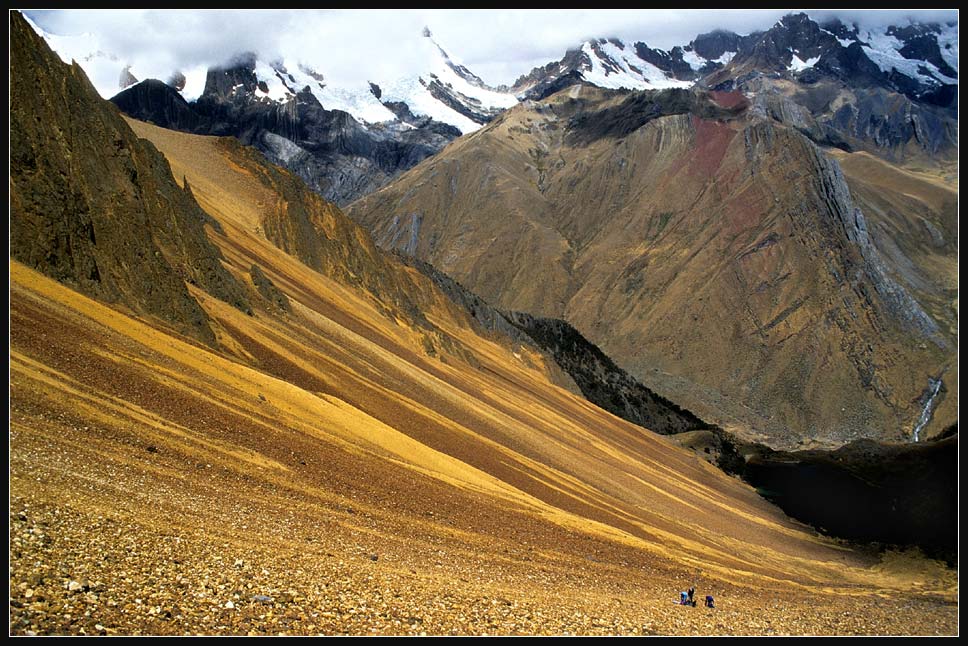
(96, 207)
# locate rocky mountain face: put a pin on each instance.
(722, 256)
(94, 206)
(612, 63)
(890, 92)
(336, 155)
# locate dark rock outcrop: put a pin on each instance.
(639, 108)
(94, 206)
(712, 45)
(273, 295)
(158, 103)
(601, 381)
(891, 114)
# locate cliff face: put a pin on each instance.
(95, 207)
(717, 256)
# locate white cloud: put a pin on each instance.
(497, 44)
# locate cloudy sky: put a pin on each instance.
(497, 44)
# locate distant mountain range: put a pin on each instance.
(345, 140)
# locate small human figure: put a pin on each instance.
(683, 598)
(709, 601)
(692, 591)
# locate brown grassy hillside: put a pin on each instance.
(714, 255)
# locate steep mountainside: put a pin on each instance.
(594, 374)
(92, 206)
(719, 255)
(335, 464)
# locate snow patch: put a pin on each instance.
(421, 102)
(843, 42)
(277, 89)
(694, 60)
(194, 82)
(884, 50)
(645, 76)
(948, 43)
(798, 65)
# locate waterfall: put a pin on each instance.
(934, 385)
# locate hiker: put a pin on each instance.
(692, 591)
(709, 601)
(683, 598)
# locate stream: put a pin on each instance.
(935, 386)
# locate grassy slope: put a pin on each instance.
(697, 253)
(319, 438)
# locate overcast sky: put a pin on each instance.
(497, 44)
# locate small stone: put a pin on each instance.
(73, 586)
(229, 605)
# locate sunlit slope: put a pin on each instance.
(504, 419)
(481, 490)
(474, 452)
(339, 383)
(714, 258)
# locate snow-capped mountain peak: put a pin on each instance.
(613, 64)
